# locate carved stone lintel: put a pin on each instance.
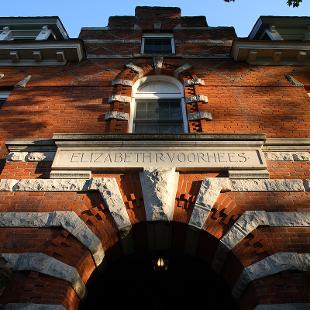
(116, 115)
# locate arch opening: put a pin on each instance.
(133, 280)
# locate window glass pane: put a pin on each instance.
(158, 116)
(157, 46)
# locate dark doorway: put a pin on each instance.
(132, 283)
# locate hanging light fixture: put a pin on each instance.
(160, 264)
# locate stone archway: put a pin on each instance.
(130, 281)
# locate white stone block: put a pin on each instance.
(122, 82)
(48, 265)
(261, 185)
(159, 188)
(119, 98)
(116, 115)
(196, 98)
(111, 195)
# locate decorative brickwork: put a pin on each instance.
(240, 202)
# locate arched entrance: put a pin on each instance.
(136, 281)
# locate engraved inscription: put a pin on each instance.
(124, 157)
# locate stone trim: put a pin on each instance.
(134, 67)
(271, 265)
(111, 195)
(265, 185)
(116, 115)
(182, 68)
(119, 98)
(193, 81)
(70, 174)
(209, 191)
(158, 62)
(30, 156)
(159, 188)
(248, 222)
(28, 306)
(68, 220)
(287, 156)
(196, 98)
(23, 82)
(108, 188)
(122, 82)
(82, 185)
(42, 263)
(294, 81)
(299, 306)
(248, 174)
(199, 115)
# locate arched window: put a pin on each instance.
(158, 106)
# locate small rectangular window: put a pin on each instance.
(158, 116)
(157, 44)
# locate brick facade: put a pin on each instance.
(242, 98)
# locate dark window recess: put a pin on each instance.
(157, 46)
(266, 37)
(158, 116)
(2, 101)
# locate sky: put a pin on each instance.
(74, 14)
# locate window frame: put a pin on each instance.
(157, 78)
(158, 35)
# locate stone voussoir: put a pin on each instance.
(48, 265)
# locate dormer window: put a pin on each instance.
(158, 43)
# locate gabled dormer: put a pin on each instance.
(36, 41)
(276, 40)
